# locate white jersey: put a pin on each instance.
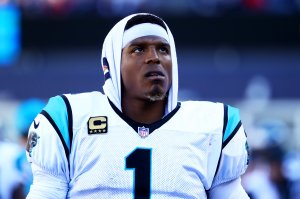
(82, 146)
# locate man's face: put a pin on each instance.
(146, 68)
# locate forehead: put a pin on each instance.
(148, 40)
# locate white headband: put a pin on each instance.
(144, 29)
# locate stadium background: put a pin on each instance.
(242, 52)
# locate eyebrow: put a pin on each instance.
(139, 42)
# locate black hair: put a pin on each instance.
(145, 18)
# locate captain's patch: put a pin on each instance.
(97, 125)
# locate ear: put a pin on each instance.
(105, 68)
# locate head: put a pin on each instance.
(139, 59)
(146, 64)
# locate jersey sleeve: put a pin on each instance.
(230, 190)
(234, 156)
(48, 150)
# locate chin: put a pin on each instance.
(154, 98)
(156, 94)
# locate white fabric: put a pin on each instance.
(144, 29)
(112, 50)
(225, 190)
(231, 155)
(46, 185)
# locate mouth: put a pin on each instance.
(154, 74)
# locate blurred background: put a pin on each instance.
(245, 53)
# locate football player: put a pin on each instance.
(137, 140)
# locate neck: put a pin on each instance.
(144, 111)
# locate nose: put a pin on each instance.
(152, 56)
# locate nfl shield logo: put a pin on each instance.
(143, 132)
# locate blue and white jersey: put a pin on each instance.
(82, 146)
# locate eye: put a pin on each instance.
(137, 50)
(164, 49)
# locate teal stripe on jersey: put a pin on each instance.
(57, 109)
(233, 120)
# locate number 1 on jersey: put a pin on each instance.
(140, 161)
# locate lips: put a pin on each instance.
(154, 74)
